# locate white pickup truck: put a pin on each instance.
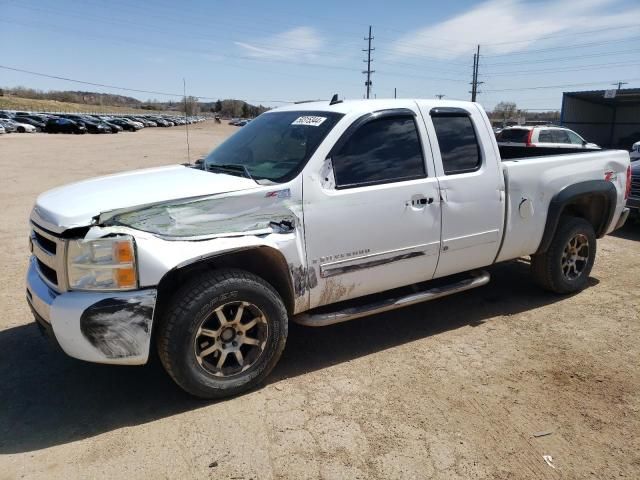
(314, 213)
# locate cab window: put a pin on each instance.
(459, 147)
(383, 150)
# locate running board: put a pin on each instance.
(310, 319)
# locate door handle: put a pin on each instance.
(418, 201)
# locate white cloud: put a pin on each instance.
(299, 42)
(505, 26)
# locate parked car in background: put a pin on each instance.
(92, 125)
(2, 130)
(143, 121)
(96, 127)
(114, 128)
(543, 136)
(138, 123)
(126, 124)
(24, 127)
(162, 122)
(8, 125)
(64, 125)
(635, 151)
(38, 124)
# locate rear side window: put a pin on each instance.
(459, 146)
(560, 136)
(545, 136)
(385, 150)
(515, 135)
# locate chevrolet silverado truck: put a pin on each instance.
(314, 213)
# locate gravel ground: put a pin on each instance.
(457, 388)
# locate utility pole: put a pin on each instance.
(474, 82)
(395, 92)
(368, 71)
(439, 96)
(619, 84)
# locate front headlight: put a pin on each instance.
(102, 264)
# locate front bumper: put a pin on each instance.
(623, 218)
(103, 327)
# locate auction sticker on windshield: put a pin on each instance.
(309, 120)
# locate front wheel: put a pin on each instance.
(222, 334)
(566, 265)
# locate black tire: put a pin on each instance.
(21, 130)
(548, 268)
(193, 306)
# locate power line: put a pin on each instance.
(557, 86)
(116, 87)
(558, 59)
(561, 70)
(567, 34)
(368, 71)
(564, 47)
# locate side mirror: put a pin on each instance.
(584, 143)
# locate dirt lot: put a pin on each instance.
(453, 389)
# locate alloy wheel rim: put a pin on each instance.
(231, 339)
(575, 257)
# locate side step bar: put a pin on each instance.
(310, 319)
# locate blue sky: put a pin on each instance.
(284, 50)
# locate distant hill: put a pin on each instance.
(23, 96)
(69, 96)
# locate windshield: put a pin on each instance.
(274, 147)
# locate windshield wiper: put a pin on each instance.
(231, 168)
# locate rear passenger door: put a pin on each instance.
(471, 187)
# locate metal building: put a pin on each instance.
(610, 118)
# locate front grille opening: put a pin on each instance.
(48, 272)
(45, 243)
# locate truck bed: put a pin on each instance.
(538, 178)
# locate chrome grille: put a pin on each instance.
(635, 187)
(49, 251)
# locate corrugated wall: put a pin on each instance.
(594, 121)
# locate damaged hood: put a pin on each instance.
(75, 205)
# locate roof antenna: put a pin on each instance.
(334, 100)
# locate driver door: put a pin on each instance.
(373, 221)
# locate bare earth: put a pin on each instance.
(453, 389)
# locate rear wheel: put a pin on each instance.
(566, 265)
(222, 334)
(21, 130)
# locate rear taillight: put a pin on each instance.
(628, 189)
(529, 136)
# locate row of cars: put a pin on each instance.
(28, 122)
